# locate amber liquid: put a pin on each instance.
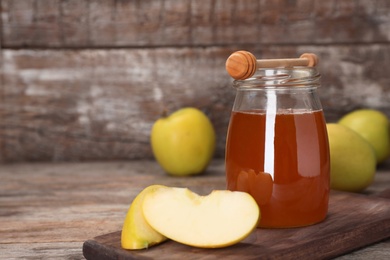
(282, 160)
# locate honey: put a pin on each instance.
(282, 160)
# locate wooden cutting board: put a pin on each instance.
(353, 221)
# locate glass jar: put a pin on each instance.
(277, 146)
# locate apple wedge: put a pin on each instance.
(219, 219)
(136, 232)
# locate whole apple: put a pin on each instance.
(353, 161)
(374, 127)
(184, 142)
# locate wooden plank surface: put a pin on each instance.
(72, 105)
(353, 221)
(110, 23)
(93, 104)
(85, 80)
(47, 210)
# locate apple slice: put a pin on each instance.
(220, 219)
(136, 232)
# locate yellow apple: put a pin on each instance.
(219, 219)
(372, 125)
(136, 232)
(353, 161)
(184, 142)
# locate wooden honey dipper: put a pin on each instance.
(242, 64)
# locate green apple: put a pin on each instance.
(219, 219)
(136, 232)
(184, 142)
(372, 125)
(352, 158)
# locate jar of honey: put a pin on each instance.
(277, 146)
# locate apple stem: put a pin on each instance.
(164, 112)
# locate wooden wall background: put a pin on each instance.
(86, 79)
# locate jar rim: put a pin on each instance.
(281, 78)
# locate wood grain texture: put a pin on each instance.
(74, 105)
(47, 210)
(85, 80)
(119, 23)
(92, 104)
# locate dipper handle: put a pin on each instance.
(242, 64)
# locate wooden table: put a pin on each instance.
(47, 210)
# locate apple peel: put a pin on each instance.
(219, 219)
(136, 232)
